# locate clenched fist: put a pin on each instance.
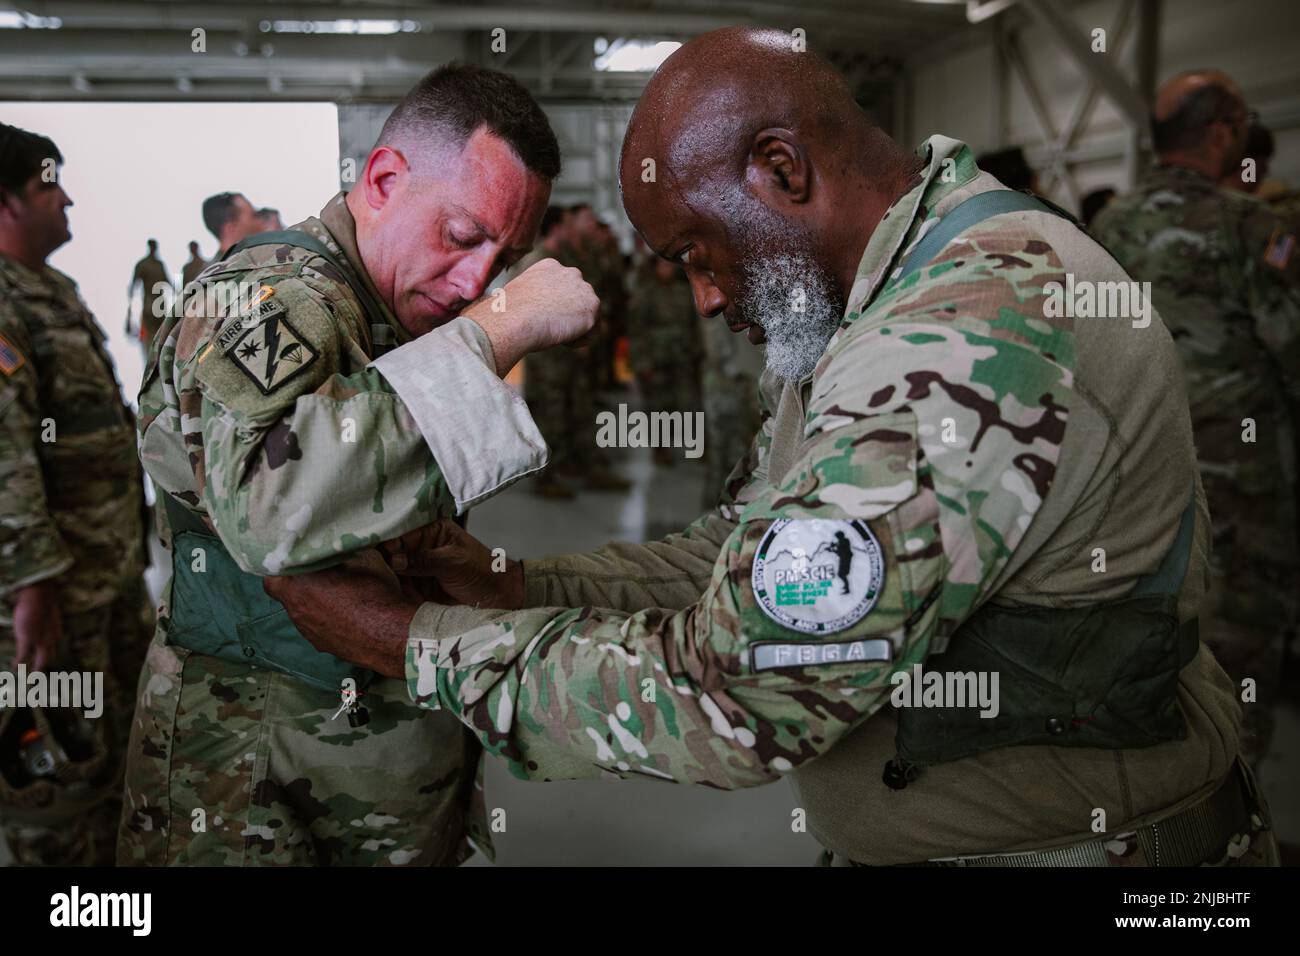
(547, 304)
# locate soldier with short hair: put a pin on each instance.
(1225, 275)
(150, 276)
(72, 595)
(323, 389)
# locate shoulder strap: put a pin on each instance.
(305, 240)
(972, 211)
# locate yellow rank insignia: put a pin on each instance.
(11, 360)
(272, 352)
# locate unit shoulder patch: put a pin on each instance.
(270, 352)
(818, 575)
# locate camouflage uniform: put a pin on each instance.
(71, 510)
(299, 450)
(729, 389)
(1226, 277)
(152, 275)
(664, 344)
(558, 390)
(665, 660)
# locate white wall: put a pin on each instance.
(1254, 41)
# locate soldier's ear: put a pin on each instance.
(385, 167)
(778, 164)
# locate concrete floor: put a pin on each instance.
(647, 823)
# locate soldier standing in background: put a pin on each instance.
(196, 264)
(150, 275)
(268, 220)
(664, 345)
(729, 389)
(72, 558)
(1225, 274)
(230, 217)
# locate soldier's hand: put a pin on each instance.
(464, 568)
(38, 626)
(354, 614)
(547, 304)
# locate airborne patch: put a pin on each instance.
(11, 360)
(271, 352)
(237, 326)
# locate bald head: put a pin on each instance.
(748, 158)
(1199, 121)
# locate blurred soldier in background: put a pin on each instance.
(1225, 275)
(150, 275)
(229, 217)
(560, 383)
(1258, 148)
(729, 387)
(664, 345)
(196, 264)
(268, 220)
(556, 386)
(72, 595)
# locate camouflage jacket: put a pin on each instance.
(263, 412)
(1225, 275)
(71, 498)
(663, 326)
(951, 458)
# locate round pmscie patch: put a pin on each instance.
(818, 575)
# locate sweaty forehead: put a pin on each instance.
(492, 184)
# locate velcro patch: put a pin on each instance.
(1280, 247)
(818, 575)
(237, 326)
(11, 360)
(272, 352)
(767, 657)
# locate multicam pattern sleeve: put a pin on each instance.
(936, 421)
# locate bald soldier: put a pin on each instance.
(1015, 488)
(326, 388)
(1225, 274)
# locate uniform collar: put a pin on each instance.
(44, 283)
(949, 165)
(338, 230)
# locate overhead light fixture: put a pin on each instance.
(350, 27)
(22, 20)
(632, 56)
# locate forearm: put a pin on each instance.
(670, 573)
(419, 435)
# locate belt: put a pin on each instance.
(1199, 834)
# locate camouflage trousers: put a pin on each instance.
(557, 388)
(76, 825)
(235, 765)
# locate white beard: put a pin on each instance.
(792, 299)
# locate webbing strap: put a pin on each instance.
(968, 213)
(305, 240)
